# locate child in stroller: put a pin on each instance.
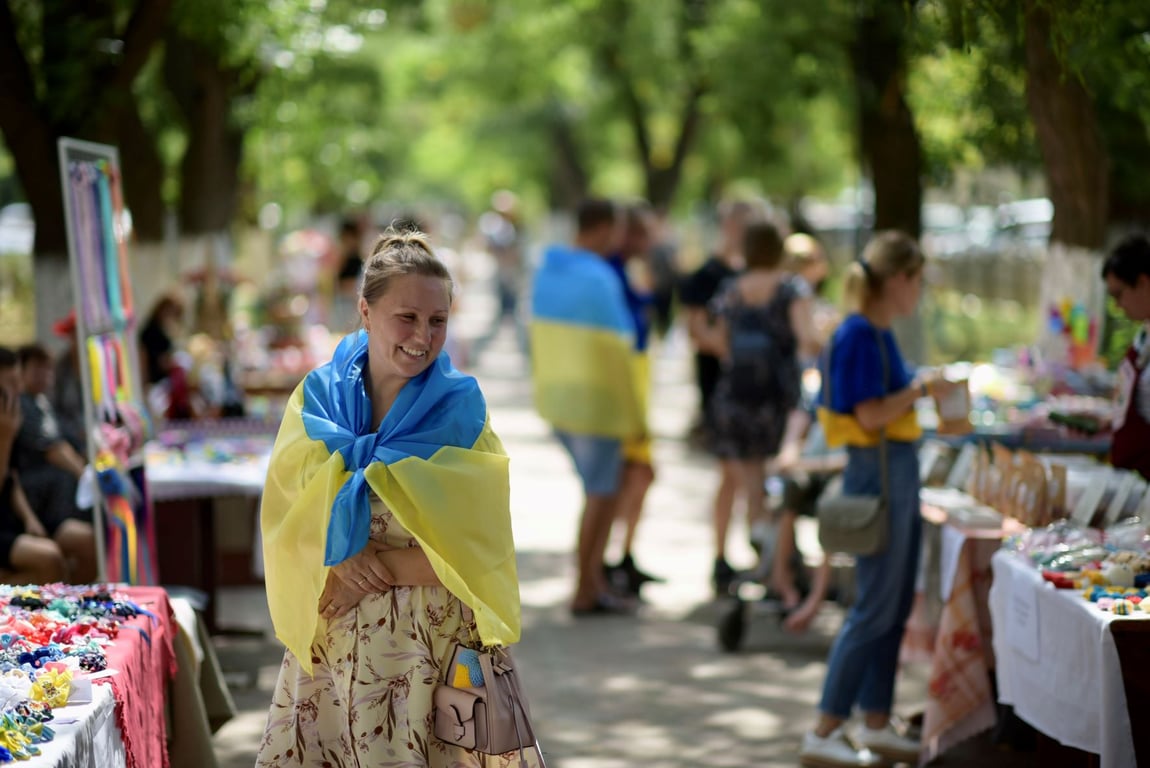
(782, 584)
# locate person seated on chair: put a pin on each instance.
(27, 556)
(48, 466)
(806, 466)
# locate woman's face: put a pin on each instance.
(406, 326)
(903, 291)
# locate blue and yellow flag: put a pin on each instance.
(435, 463)
(582, 347)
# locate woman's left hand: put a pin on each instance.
(339, 597)
(365, 570)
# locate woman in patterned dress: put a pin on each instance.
(387, 533)
(748, 427)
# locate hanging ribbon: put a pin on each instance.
(116, 376)
(88, 235)
(96, 245)
(112, 370)
(109, 246)
(121, 244)
(95, 372)
(123, 541)
(75, 195)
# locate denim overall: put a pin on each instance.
(864, 659)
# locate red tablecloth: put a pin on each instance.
(144, 656)
(958, 645)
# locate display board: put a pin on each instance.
(106, 326)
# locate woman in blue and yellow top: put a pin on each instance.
(881, 286)
(386, 530)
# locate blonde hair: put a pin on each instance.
(398, 253)
(802, 251)
(888, 253)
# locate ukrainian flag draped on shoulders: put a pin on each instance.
(582, 347)
(435, 463)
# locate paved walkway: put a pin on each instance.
(652, 690)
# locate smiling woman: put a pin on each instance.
(387, 532)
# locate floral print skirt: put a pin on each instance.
(376, 667)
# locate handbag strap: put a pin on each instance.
(829, 404)
(882, 445)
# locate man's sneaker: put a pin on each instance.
(885, 742)
(834, 751)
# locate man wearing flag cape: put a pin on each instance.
(585, 379)
(386, 530)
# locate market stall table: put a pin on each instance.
(1059, 665)
(1037, 439)
(86, 736)
(147, 687)
(958, 644)
(185, 477)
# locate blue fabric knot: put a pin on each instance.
(359, 453)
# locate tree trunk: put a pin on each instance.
(87, 97)
(52, 288)
(142, 172)
(891, 153)
(567, 180)
(1125, 135)
(888, 140)
(1077, 167)
(30, 139)
(663, 183)
(205, 90)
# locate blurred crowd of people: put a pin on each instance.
(759, 330)
(45, 535)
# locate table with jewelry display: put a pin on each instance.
(206, 479)
(87, 674)
(1070, 661)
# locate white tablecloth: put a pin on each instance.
(86, 736)
(196, 477)
(1070, 685)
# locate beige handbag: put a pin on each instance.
(855, 524)
(480, 706)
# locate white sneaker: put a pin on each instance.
(885, 742)
(833, 751)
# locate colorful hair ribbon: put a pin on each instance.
(123, 546)
(86, 310)
(120, 236)
(109, 245)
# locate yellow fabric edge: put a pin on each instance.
(640, 450)
(302, 480)
(473, 554)
(843, 429)
(585, 380)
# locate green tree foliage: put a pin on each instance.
(968, 90)
(969, 86)
(612, 96)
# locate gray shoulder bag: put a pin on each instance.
(856, 525)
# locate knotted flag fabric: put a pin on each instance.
(434, 461)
